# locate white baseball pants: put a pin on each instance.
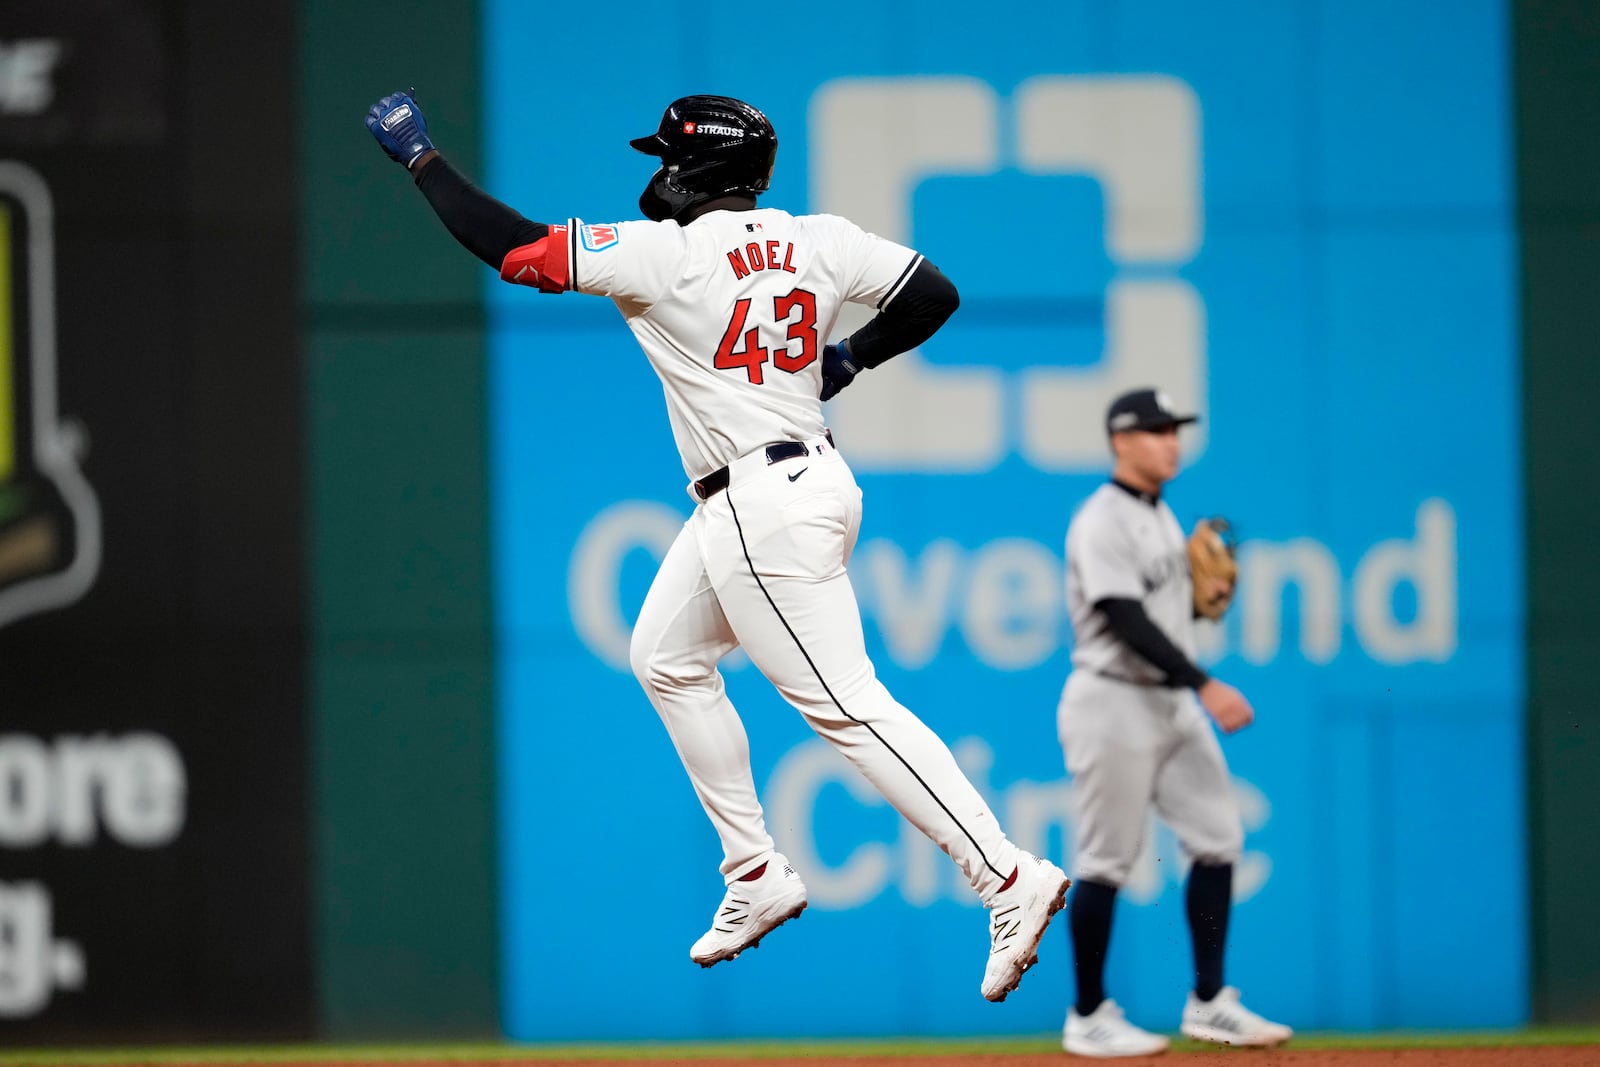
(762, 565)
(1134, 748)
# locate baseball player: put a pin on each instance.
(732, 305)
(1135, 736)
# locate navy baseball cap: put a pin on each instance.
(1144, 409)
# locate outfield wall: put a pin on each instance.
(153, 819)
(1301, 224)
(1558, 97)
(405, 935)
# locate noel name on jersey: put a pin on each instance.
(762, 255)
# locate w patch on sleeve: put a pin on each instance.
(599, 238)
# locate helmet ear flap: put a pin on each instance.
(661, 200)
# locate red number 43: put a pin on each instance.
(741, 347)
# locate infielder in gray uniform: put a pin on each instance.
(1135, 736)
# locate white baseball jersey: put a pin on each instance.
(733, 312)
(1122, 544)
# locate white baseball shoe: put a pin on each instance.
(1222, 1020)
(1017, 920)
(1104, 1034)
(750, 911)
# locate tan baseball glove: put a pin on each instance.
(1212, 566)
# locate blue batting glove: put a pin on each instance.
(399, 126)
(839, 369)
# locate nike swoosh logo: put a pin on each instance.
(798, 473)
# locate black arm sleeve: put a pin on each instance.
(486, 227)
(1130, 623)
(921, 306)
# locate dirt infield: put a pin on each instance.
(1522, 1056)
(1549, 1047)
(1536, 1056)
(1503, 1056)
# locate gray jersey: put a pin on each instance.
(1123, 545)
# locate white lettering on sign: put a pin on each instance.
(133, 787)
(26, 68)
(865, 857)
(33, 961)
(1004, 599)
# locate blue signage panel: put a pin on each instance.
(1295, 219)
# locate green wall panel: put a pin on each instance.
(402, 662)
(1557, 65)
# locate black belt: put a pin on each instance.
(717, 480)
(1142, 683)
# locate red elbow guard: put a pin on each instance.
(544, 264)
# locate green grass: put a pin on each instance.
(601, 1053)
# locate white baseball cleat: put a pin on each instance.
(1017, 920)
(750, 911)
(1222, 1020)
(1104, 1034)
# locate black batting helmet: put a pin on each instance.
(709, 146)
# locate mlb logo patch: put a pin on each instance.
(599, 238)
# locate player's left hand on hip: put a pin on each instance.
(399, 127)
(838, 370)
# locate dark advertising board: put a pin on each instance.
(153, 820)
